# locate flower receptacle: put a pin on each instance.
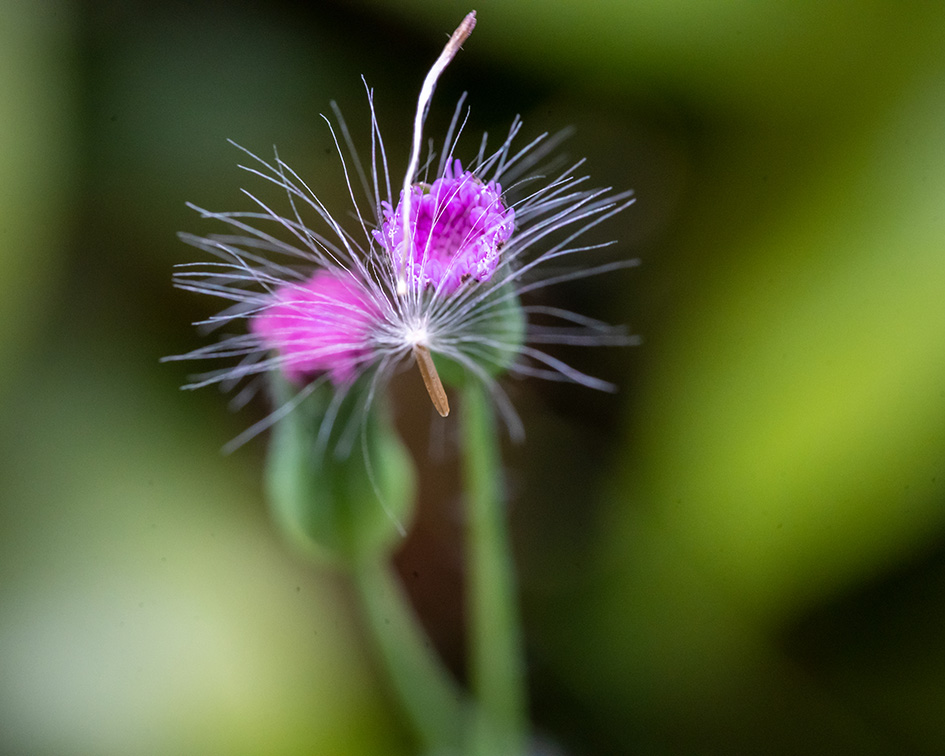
(340, 508)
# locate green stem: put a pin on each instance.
(427, 694)
(496, 659)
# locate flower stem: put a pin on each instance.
(429, 697)
(496, 659)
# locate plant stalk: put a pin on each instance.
(428, 696)
(496, 663)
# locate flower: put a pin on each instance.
(320, 325)
(458, 227)
(439, 274)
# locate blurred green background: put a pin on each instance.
(741, 552)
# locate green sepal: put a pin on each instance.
(505, 325)
(326, 504)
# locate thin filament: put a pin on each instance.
(426, 94)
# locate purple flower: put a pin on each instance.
(320, 325)
(457, 228)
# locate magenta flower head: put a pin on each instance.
(321, 325)
(457, 228)
(434, 276)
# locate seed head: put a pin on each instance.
(441, 273)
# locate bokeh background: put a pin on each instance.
(741, 552)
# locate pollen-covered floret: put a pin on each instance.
(457, 227)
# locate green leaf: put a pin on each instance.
(341, 508)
